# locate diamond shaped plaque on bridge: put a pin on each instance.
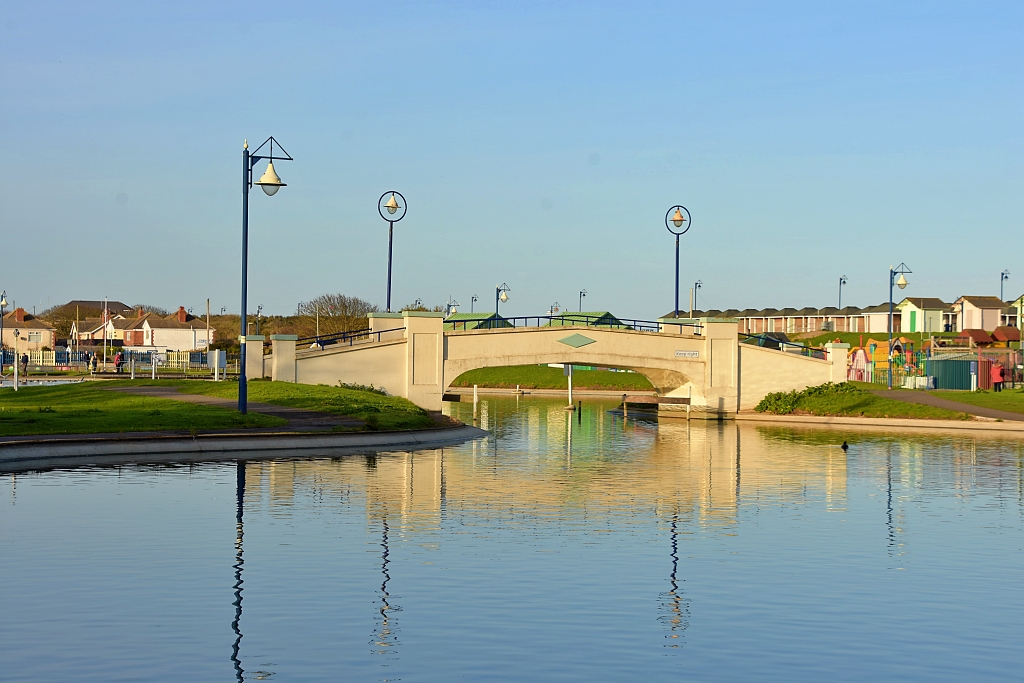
(576, 341)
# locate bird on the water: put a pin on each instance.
(845, 446)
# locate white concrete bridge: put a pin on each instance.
(411, 354)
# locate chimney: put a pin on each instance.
(19, 315)
(140, 313)
(182, 315)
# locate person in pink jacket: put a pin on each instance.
(997, 376)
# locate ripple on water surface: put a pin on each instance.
(562, 548)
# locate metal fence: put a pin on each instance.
(79, 360)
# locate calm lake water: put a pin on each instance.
(559, 549)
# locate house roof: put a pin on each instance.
(112, 306)
(29, 323)
(472, 321)
(880, 308)
(157, 322)
(925, 303)
(983, 301)
(1005, 333)
(977, 336)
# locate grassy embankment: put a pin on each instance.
(377, 410)
(855, 338)
(1010, 400)
(847, 400)
(88, 408)
(543, 377)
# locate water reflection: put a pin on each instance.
(599, 473)
(239, 562)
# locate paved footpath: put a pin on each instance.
(936, 402)
(298, 419)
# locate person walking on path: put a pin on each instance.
(95, 362)
(118, 362)
(24, 364)
(997, 377)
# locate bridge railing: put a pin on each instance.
(787, 346)
(363, 336)
(565, 320)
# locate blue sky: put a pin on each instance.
(538, 144)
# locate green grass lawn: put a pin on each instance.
(847, 400)
(1010, 400)
(543, 377)
(378, 411)
(88, 408)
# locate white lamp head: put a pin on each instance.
(392, 204)
(678, 219)
(270, 181)
(503, 297)
(902, 282)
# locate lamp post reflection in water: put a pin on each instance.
(388, 636)
(239, 533)
(676, 607)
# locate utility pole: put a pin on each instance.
(207, 326)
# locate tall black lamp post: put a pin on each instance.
(842, 281)
(271, 183)
(1003, 277)
(583, 293)
(900, 270)
(677, 217)
(393, 205)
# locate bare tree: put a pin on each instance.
(338, 313)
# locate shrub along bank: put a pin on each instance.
(848, 400)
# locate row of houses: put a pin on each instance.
(916, 315)
(179, 331)
(118, 325)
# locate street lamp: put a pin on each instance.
(395, 208)
(452, 307)
(472, 301)
(17, 335)
(693, 302)
(271, 183)
(583, 293)
(3, 305)
(554, 308)
(902, 283)
(677, 217)
(1003, 277)
(500, 296)
(842, 281)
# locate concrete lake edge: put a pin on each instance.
(48, 452)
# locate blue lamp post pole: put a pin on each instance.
(271, 183)
(1003, 277)
(394, 204)
(3, 305)
(900, 270)
(677, 217)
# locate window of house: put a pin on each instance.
(35, 336)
